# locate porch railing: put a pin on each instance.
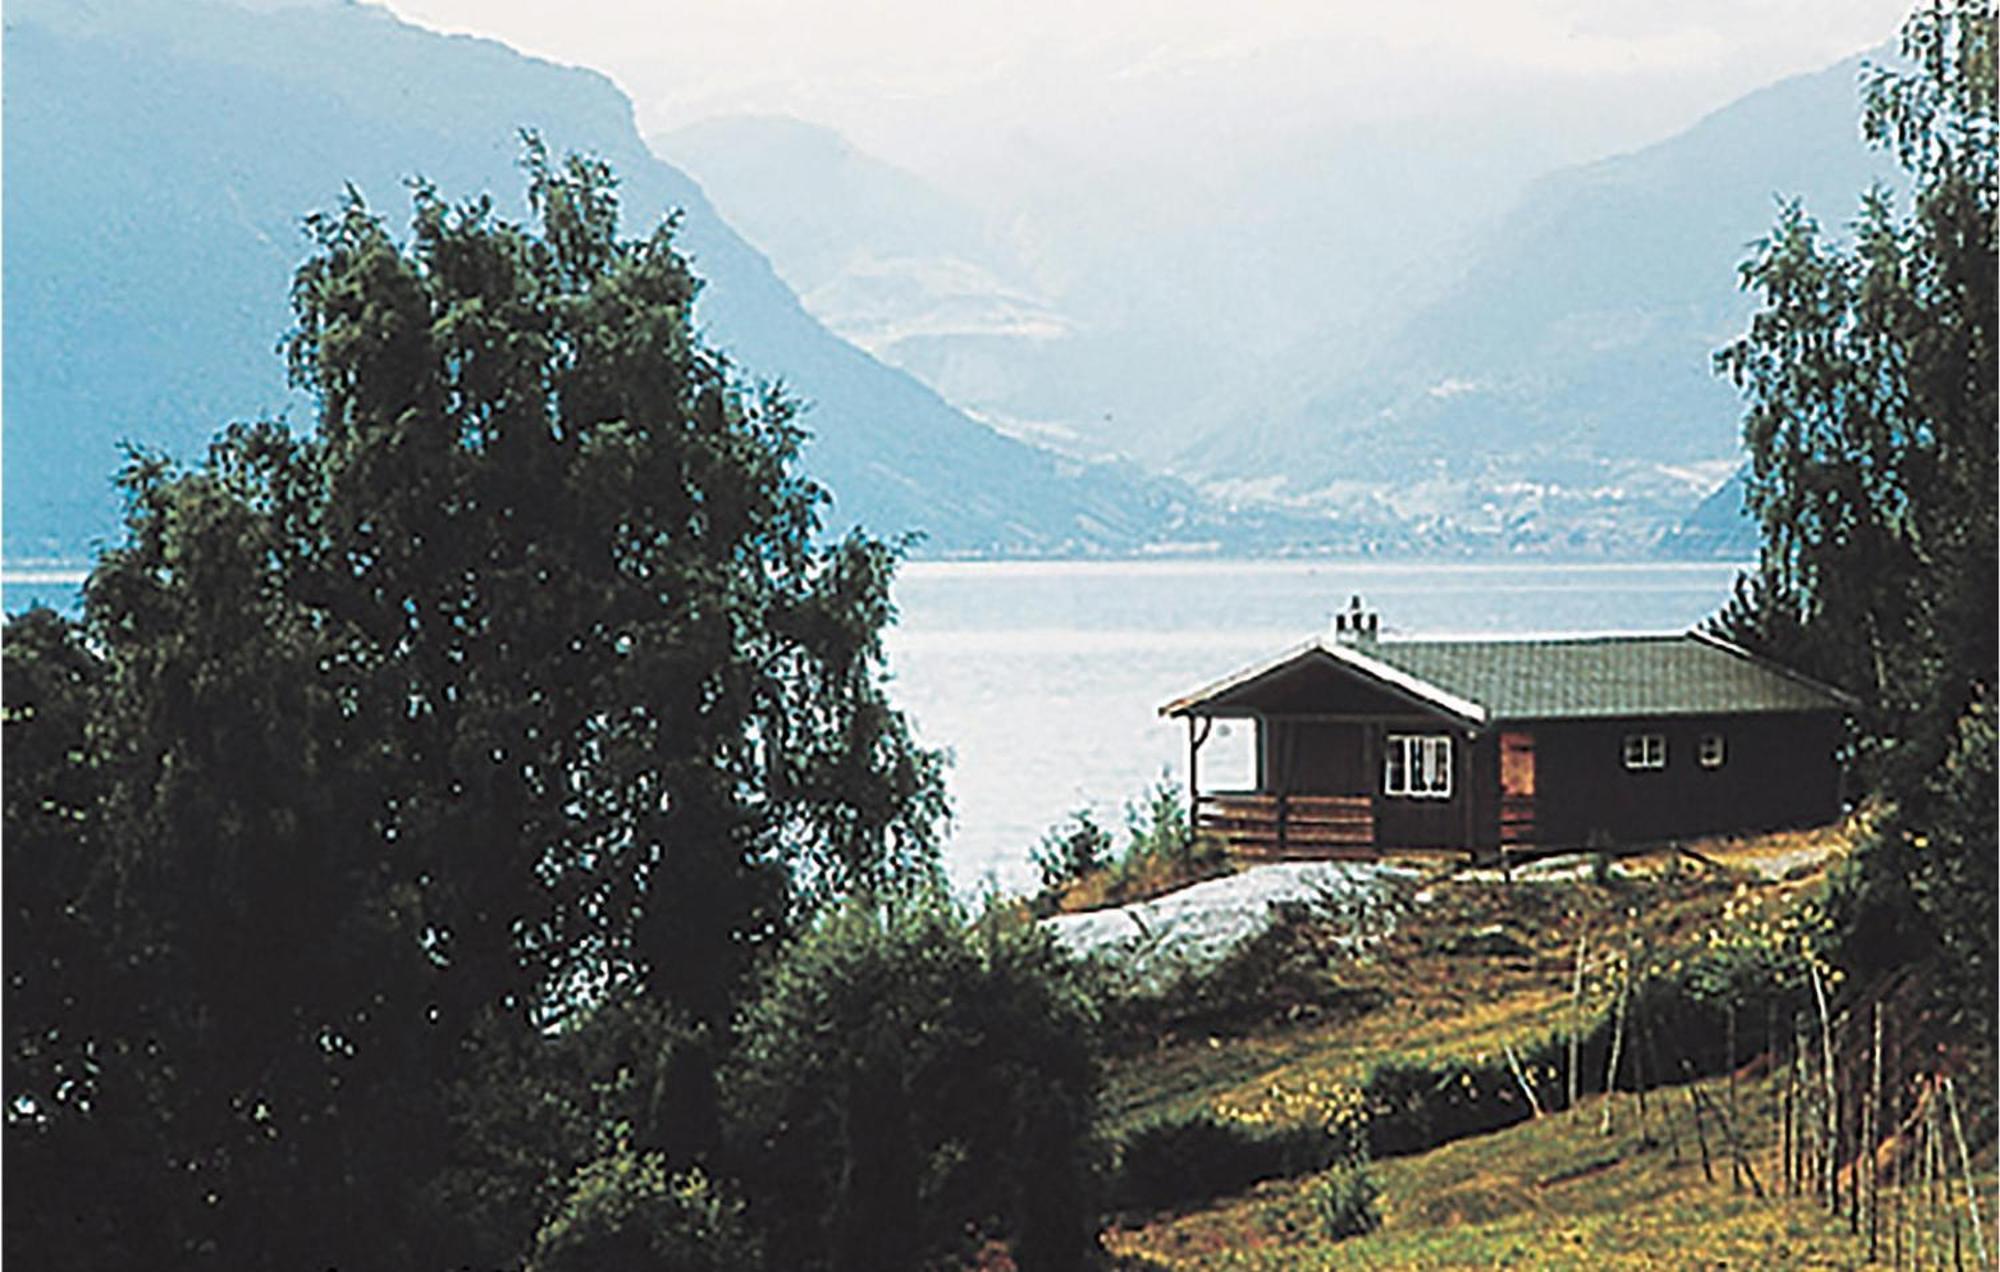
(1288, 825)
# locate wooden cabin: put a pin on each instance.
(1364, 743)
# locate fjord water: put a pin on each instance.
(1045, 679)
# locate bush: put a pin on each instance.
(1072, 849)
(529, 1111)
(1158, 825)
(1082, 870)
(624, 1211)
(1174, 1161)
(1343, 1199)
(908, 1086)
(1416, 1105)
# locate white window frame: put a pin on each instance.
(1417, 765)
(1645, 752)
(1712, 751)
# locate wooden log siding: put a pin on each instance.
(1288, 825)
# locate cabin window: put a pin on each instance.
(1712, 751)
(1645, 751)
(1417, 766)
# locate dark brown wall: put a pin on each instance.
(1345, 758)
(1780, 770)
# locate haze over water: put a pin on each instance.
(1045, 678)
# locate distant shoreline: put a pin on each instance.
(71, 573)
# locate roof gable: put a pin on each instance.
(1325, 677)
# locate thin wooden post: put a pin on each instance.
(1639, 1075)
(1521, 1078)
(1927, 1189)
(1943, 1219)
(1871, 1131)
(1896, 1179)
(1832, 1111)
(1898, 1086)
(1777, 1106)
(1576, 1015)
(1739, 1155)
(1617, 1045)
(1801, 1107)
(1937, 1206)
(1701, 1136)
(1784, 1136)
(1965, 1175)
(1735, 1173)
(1857, 1091)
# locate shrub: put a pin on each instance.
(1158, 825)
(1194, 1157)
(1343, 1200)
(530, 1111)
(1081, 869)
(1073, 848)
(908, 1086)
(1414, 1105)
(625, 1211)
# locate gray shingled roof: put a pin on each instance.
(1603, 676)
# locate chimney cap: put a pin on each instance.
(1356, 623)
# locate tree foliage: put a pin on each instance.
(907, 1085)
(625, 1211)
(523, 679)
(1869, 377)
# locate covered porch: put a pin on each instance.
(1351, 758)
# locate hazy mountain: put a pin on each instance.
(1328, 334)
(1574, 351)
(1121, 311)
(881, 256)
(817, 205)
(159, 157)
(1719, 526)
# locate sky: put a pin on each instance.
(944, 86)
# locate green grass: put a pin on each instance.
(1422, 1003)
(1550, 1193)
(1546, 1193)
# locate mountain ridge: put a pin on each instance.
(1605, 276)
(175, 192)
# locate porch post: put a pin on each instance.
(1467, 790)
(1196, 736)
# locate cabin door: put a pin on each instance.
(1517, 788)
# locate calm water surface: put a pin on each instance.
(1044, 679)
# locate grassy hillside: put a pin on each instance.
(1481, 968)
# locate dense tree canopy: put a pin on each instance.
(1869, 376)
(907, 1086)
(383, 751)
